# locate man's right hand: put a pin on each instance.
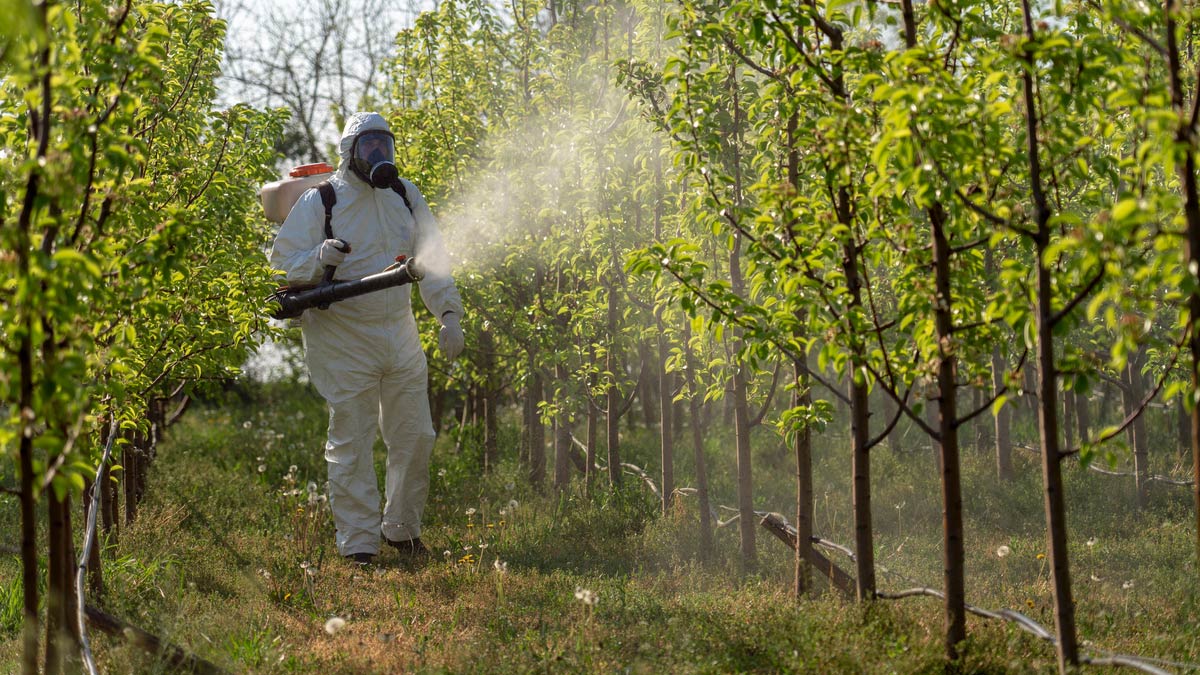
(333, 252)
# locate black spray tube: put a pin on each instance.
(292, 303)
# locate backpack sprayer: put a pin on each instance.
(291, 301)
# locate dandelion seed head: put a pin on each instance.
(1091, 542)
(247, 424)
(1003, 551)
(471, 511)
(500, 566)
(586, 596)
(262, 468)
(1127, 585)
(334, 624)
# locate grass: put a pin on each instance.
(232, 557)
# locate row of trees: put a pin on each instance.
(131, 262)
(892, 208)
(936, 204)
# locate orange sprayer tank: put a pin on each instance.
(279, 196)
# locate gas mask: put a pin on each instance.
(372, 158)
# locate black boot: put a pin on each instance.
(361, 559)
(410, 547)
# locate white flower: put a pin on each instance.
(1003, 552)
(334, 624)
(586, 596)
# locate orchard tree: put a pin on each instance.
(133, 263)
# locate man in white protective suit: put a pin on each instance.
(364, 354)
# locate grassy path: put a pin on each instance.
(232, 558)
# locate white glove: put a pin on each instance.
(333, 252)
(451, 340)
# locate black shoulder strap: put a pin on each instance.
(398, 188)
(328, 198)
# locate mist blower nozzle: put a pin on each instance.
(291, 301)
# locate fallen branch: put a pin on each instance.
(1156, 477)
(637, 471)
(171, 655)
(783, 531)
(777, 524)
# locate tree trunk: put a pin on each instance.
(1068, 401)
(61, 629)
(613, 395)
(1083, 417)
(861, 492)
(491, 429)
(896, 437)
(696, 410)
(952, 521)
(666, 394)
(537, 433)
(983, 430)
(29, 557)
(1185, 167)
(801, 399)
(130, 456)
(25, 360)
(593, 424)
(491, 402)
(1182, 429)
(562, 438)
(646, 387)
(1134, 392)
(802, 447)
(1056, 514)
(1003, 420)
(860, 419)
(747, 522)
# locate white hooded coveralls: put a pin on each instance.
(364, 354)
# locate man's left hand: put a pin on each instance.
(451, 340)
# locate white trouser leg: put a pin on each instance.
(408, 432)
(353, 490)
